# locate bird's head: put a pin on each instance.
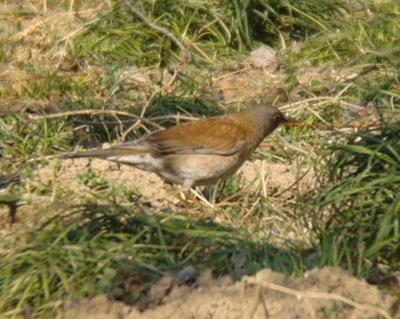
(269, 116)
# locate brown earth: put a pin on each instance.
(273, 177)
(322, 293)
(276, 182)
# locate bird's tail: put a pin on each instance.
(113, 153)
(96, 153)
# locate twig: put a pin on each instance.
(173, 117)
(225, 75)
(146, 106)
(226, 201)
(147, 130)
(194, 45)
(252, 208)
(324, 126)
(149, 120)
(95, 112)
(33, 6)
(263, 180)
(313, 99)
(316, 114)
(259, 299)
(140, 118)
(82, 112)
(41, 158)
(319, 295)
(204, 27)
(160, 29)
(44, 7)
(297, 181)
(153, 119)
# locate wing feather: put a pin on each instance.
(219, 136)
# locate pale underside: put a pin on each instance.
(186, 169)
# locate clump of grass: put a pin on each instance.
(362, 233)
(362, 48)
(170, 104)
(85, 249)
(93, 180)
(370, 37)
(211, 30)
(22, 139)
(285, 21)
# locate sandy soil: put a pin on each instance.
(266, 295)
(273, 177)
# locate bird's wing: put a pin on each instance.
(218, 136)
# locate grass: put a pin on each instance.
(363, 52)
(211, 31)
(363, 203)
(338, 63)
(89, 245)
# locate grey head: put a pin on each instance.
(269, 116)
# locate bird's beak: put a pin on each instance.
(289, 120)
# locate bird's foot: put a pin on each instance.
(201, 197)
(184, 192)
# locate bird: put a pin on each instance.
(196, 153)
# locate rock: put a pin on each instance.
(264, 57)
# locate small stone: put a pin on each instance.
(264, 57)
(188, 275)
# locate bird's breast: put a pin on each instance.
(204, 169)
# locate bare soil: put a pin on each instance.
(275, 177)
(266, 295)
(280, 183)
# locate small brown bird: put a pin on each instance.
(199, 152)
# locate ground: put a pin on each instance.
(322, 293)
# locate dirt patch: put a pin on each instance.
(266, 295)
(247, 84)
(273, 177)
(276, 178)
(68, 176)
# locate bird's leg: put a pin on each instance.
(201, 197)
(208, 192)
(211, 191)
(189, 185)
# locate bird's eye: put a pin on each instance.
(279, 117)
